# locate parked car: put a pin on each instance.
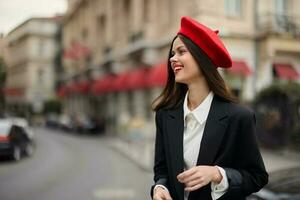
(283, 185)
(87, 124)
(16, 139)
(52, 120)
(66, 123)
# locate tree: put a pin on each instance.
(52, 106)
(278, 113)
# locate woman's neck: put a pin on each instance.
(196, 94)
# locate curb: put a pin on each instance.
(137, 153)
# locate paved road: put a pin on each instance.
(70, 167)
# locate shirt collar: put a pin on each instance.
(201, 111)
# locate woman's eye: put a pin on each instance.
(182, 51)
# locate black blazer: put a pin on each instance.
(228, 141)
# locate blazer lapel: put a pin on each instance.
(214, 131)
(175, 129)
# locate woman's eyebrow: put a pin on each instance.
(178, 47)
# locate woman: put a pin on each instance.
(205, 142)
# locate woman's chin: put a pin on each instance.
(180, 80)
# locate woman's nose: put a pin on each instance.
(173, 58)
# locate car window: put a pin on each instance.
(4, 128)
(13, 130)
(18, 129)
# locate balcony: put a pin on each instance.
(272, 23)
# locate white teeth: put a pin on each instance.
(177, 68)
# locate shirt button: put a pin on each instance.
(191, 121)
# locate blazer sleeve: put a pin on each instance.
(249, 175)
(160, 166)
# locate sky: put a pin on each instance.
(14, 12)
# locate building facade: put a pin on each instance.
(2, 73)
(278, 42)
(2, 45)
(105, 39)
(32, 48)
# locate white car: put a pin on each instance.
(16, 138)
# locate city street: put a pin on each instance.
(111, 66)
(68, 166)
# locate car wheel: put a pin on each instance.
(16, 153)
(29, 149)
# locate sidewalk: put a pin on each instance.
(280, 159)
(143, 153)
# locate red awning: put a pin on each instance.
(137, 79)
(72, 88)
(76, 51)
(240, 68)
(69, 54)
(103, 85)
(79, 87)
(83, 87)
(81, 50)
(13, 91)
(157, 76)
(285, 71)
(62, 92)
(120, 81)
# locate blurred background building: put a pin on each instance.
(112, 61)
(31, 49)
(113, 47)
(2, 45)
(2, 73)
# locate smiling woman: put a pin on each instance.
(201, 131)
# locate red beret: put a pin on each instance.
(207, 40)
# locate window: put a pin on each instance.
(146, 11)
(233, 8)
(84, 34)
(148, 100)
(101, 26)
(40, 76)
(131, 103)
(127, 18)
(282, 20)
(41, 48)
(280, 7)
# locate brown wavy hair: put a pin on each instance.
(174, 92)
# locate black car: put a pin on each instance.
(283, 185)
(16, 140)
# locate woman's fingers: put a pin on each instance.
(197, 177)
(196, 184)
(190, 175)
(187, 175)
(158, 196)
(193, 183)
(196, 187)
(166, 196)
(161, 194)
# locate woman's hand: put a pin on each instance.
(161, 194)
(199, 176)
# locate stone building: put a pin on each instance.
(2, 45)
(277, 42)
(32, 48)
(116, 50)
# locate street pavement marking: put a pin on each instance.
(114, 193)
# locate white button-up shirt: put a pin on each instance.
(194, 123)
